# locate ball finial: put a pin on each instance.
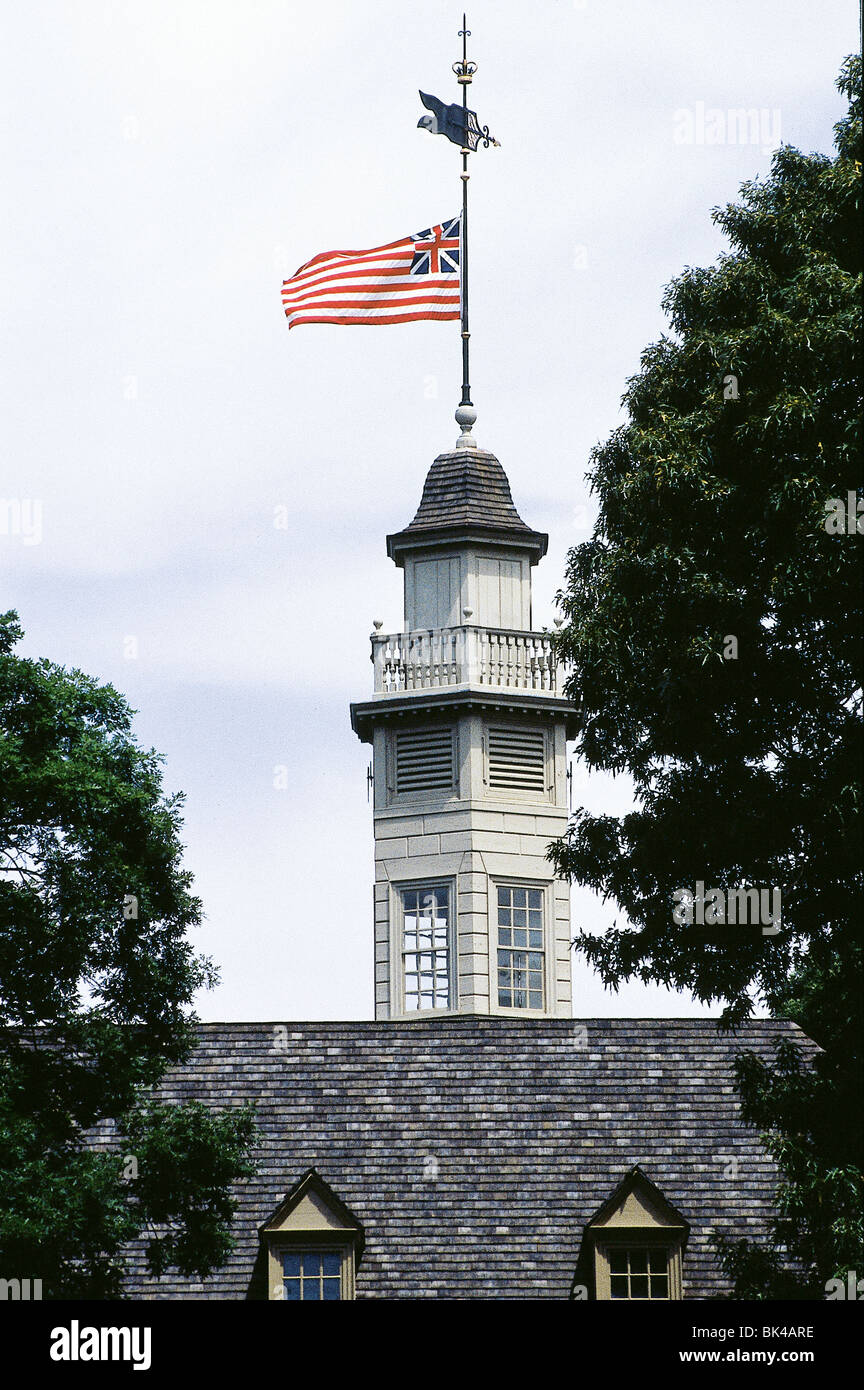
(465, 418)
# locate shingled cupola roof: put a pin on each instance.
(466, 494)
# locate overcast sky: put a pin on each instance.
(165, 163)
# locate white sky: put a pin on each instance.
(164, 165)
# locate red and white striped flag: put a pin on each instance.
(415, 278)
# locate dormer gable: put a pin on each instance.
(637, 1202)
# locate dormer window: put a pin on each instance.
(638, 1271)
(634, 1245)
(315, 1275)
(313, 1245)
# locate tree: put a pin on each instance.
(97, 979)
(713, 635)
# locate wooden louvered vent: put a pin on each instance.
(517, 759)
(424, 760)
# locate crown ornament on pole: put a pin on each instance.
(464, 69)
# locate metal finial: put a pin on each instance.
(464, 71)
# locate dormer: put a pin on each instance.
(313, 1245)
(633, 1246)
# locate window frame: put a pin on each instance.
(397, 943)
(497, 881)
(309, 1242)
(637, 1238)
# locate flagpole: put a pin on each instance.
(464, 73)
(465, 415)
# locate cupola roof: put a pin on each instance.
(467, 494)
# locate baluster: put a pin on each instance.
(479, 671)
(460, 655)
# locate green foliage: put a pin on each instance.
(186, 1157)
(97, 979)
(747, 771)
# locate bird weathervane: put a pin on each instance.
(461, 126)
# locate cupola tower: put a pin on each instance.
(468, 729)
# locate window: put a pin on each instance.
(311, 1275)
(426, 946)
(521, 959)
(424, 760)
(517, 759)
(638, 1272)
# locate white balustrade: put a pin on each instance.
(467, 655)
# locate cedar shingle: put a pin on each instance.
(367, 1103)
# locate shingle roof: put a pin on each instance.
(533, 1124)
(467, 490)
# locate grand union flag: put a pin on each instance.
(415, 278)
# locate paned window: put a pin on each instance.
(638, 1272)
(426, 946)
(311, 1276)
(521, 961)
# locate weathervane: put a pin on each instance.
(461, 126)
(412, 278)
